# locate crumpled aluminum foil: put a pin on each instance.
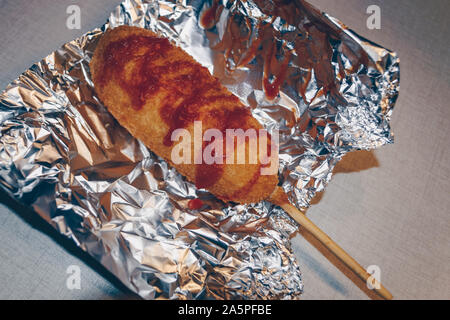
(64, 155)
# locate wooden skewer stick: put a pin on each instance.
(279, 198)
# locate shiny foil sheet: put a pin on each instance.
(64, 155)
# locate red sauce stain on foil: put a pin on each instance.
(195, 204)
(272, 88)
(208, 18)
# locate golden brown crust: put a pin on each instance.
(241, 183)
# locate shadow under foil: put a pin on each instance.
(38, 223)
(352, 162)
(357, 161)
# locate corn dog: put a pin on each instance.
(153, 88)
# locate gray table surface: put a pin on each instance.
(388, 208)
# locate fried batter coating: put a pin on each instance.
(153, 87)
